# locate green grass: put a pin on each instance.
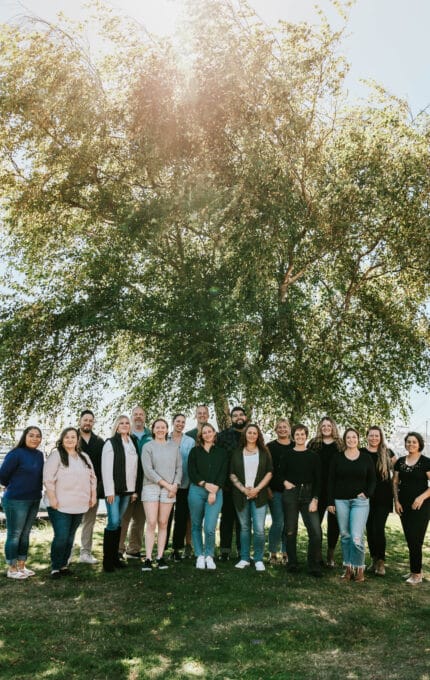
(184, 623)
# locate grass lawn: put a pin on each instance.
(184, 623)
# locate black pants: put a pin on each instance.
(415, 523)
(182, 515)
(229, 521)
(332, 525)
(375, 529)
(296, 501)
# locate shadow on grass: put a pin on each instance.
(182, 623)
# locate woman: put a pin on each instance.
(327, 443)
(352, 482)
(162, 474)
(207, 470)
(411, 499)
(21, 474)
(251, 470)
(71, 489)
(381, 503)
(182, 527)
(120, 474)
(301, 480)
(278, 448)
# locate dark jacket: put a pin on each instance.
(237, 468)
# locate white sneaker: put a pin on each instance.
(414, 579)
(87, 558)
(18, 575)
(259, 566)
(200, 563)
(210, 564)
(27, 572)
(242, 564)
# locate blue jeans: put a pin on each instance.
(352, 516)
(115, 512)
(64, 525)
(20, 516)
(201, 510)
(276, 531)
(256, 516)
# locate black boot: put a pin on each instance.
(108, 546)
(116, 559)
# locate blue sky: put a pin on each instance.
(386, 41)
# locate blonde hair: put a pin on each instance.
(116, 423)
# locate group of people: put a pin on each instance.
(147, 477)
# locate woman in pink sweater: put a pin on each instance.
(70, 485)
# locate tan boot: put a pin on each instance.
(348, 574)
(359, 575)
(380, 568)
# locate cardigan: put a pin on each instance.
(237, 468)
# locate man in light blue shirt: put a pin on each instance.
(182, 513)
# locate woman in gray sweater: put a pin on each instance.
(162, 474)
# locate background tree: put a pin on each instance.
(210, 221)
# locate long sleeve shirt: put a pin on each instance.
(21, 474)
(108, 465)
(349, 478)
(161, 460)
(187, 443)
(302, 467)
(73, 486)
(208, 466)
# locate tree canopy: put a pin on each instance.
(207, 219)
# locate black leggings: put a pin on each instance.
(332, 525)
(415, 523)
(375, 529)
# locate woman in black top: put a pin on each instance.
(381, 503)
(278, 447)
(411, 499)
(301, 479)
(352, 481)
(327, 443)
(207, 470)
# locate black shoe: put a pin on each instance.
(317, 573)
(147, 565)
(121, 556)
(66, 571)
(55, 575)
(224, 557)
(292, 568)
(176, 556)
(161, 563)
(133, 556)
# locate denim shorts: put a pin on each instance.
(153, 493)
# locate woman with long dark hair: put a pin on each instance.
(21, 474)
(381, 503)
(352, 482)
(71, 489)
(412, 501)
(207, 470)
(120, 481)
(251, 470)
(327, 443)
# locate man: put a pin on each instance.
(202, 417)
(135, 511)
(92, 445)
(230, 439)
(182, 513)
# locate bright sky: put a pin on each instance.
(387, 41)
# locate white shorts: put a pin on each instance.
(155, 493)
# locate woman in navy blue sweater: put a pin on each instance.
(21, 474)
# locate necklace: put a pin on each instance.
(250, 453)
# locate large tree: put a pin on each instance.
(208, 220)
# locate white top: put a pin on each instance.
(73, 486)
(250, 463)
(130, 467)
